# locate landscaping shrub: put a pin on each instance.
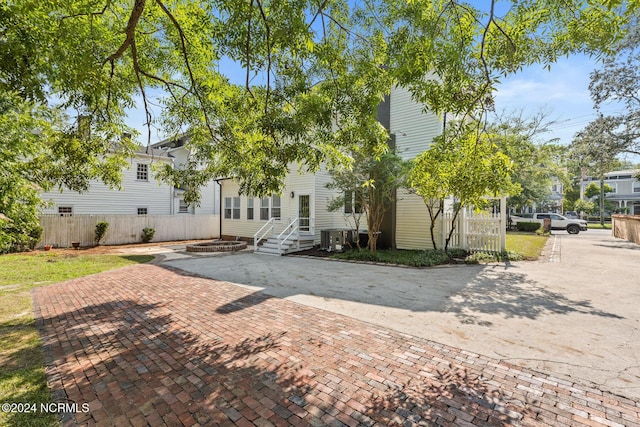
(101, 230)
(406, 257)
(527, 226)
(147, 234)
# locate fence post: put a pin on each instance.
(503, 224)
(463, 229)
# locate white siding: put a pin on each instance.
(412, 223)
(324, 218)
(208, 200)
(298, 183)
(100, 199)
(414, 129)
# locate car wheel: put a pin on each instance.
(573, 229)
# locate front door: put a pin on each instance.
(304, 212)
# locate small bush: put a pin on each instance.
(527, 226)
(147, 234)
(540, 232)
(101, 230)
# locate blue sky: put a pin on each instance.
(563, 92)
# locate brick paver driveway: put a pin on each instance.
(145, 345)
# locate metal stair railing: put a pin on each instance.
(294, 229)
(256, 239)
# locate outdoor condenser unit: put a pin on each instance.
(333, 240)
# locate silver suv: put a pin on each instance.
(558, 222)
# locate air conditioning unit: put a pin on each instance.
(333, 240)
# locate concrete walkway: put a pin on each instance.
(145, 345)
(575, 314)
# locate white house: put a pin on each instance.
(626, 189)
(140, 194)
(305, 196)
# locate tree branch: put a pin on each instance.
(138, 8)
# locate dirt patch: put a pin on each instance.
(133, 248)
(317, 252)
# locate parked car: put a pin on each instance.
(558, 222)
(571, 214)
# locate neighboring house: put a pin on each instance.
(626, 189)
(306, 197)
(141, 194)
(210, 193)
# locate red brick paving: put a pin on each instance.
(144, 345)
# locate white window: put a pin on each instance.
(143, 211)
(264, 208)
(142, 172)
(352, 202)
(227, 208)
(236, 208)
(249, 208)
(275, 206)
(636, 187)
(65, 210)
(183, 207)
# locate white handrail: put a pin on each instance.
(255, 236)
(293, 229)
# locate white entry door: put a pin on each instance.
(304, 212)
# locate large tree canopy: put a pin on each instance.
(537, 162)
(618, 83)
(312, 70)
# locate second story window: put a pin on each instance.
(143, 211)
(183, 207)
(142, 173)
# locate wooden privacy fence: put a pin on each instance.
(476, 231)
(60, 230)
(626, 227)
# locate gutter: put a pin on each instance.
(217, 181)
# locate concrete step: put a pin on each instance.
(271, 247)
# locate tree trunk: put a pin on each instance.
(602, 203)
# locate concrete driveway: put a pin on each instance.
(574, 314)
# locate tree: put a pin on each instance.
(536, 162)
(38, 152)
(97, 56)
(370, 182)
(594, 149)
(598, 194)
(618, 82)
(467, 166)
(313, 73)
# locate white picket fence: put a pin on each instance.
(60, 231)
(476, 231)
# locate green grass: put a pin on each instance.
(528, 245)
(599, 227)
(22, 377)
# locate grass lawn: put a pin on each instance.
(22, 377)
(529, 245)
(599, 227)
